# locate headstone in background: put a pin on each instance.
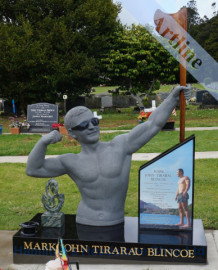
(132, 101)
(209, 98)
(93, 102)
(199, 95)
(120, 101)
(149, 101)
(106, 101)
(41, 116)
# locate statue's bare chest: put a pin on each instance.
(107, 164)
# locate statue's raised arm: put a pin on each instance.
(141, 134)
(101, 170)
(37, 165)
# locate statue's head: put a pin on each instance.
(81, 125)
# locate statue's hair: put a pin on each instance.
(181, 170)
(72, 114)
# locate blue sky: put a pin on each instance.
(146, 8)
(172, 6)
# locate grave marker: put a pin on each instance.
(41, 116)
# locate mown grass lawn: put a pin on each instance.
(127, 119)
(20, 195)
(168, 87)
(21, 145)
(163, 88)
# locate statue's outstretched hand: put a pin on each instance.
(52, 137)
(187, 91)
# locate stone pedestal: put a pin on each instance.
(124, 243)
(52, 220)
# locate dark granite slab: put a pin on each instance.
(122, 243)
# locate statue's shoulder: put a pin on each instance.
(66, 157)
(119, 139)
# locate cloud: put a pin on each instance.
(204, 8)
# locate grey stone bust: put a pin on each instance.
(103, 181)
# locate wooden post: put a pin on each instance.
(181, 18)
(182, 103)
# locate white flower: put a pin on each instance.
(54, 265)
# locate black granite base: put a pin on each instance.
(123, 243)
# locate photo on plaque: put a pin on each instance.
(166, 186)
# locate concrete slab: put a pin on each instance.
(198, 155)
(215, 234)
(212, 251)
(6, 253)
(198, 128)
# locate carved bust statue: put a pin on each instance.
(101, 169)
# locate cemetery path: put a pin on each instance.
(135, 157)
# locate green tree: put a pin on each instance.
(206, 35)
(193, 17)
(213, 6)
(193, 14)
(52, 47)
(137, 60)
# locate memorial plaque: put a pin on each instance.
(41, 116)
(166, 189)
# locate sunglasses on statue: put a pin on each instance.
(84, 125)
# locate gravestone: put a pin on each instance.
(93, 102)
(209, 98)
(120, 101)
(199, 95)
(41, 116)
(106, 101)
(132, 101)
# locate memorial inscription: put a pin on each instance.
(166, 190)
(41, 116)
